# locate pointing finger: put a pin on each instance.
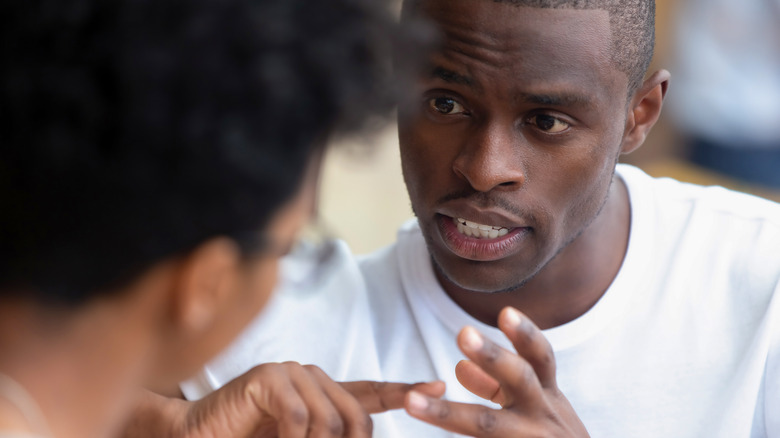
(377, 397)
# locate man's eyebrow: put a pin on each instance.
(452, 77)
(552, 99)
(556, 99)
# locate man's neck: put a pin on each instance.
(572, 282)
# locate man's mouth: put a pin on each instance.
(479, 231)
(481, 242)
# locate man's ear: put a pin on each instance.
(207, 278)
(644, 110)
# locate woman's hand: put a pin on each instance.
(285, 400)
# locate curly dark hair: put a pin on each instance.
(132, 130)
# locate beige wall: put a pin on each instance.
(363, 198)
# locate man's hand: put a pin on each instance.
(285, 400)
(523, 384)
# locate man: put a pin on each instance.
(646, 307)
(158, 158)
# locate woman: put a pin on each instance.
(157, 160)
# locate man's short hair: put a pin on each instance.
(133, 130)
(632, 23)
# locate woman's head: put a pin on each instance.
(140, 135)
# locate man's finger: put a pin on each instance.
(477, 381)
(462, 418)
(377, 397)
(530, 343)
(515, 376)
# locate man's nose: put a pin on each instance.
(491, 159)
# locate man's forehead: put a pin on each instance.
(414, 6)
(488, 19)
(476, 32)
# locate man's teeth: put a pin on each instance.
(479, 231)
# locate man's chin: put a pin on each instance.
(475, 278)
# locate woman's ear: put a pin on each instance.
(200, 296)
(644, 110)
(207, 279)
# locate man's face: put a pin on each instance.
(510, 140)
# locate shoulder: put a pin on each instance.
(669, 196)
(387, 275)
(384, 262)
(382, 275)
(716, 238)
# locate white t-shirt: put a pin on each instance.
(684, 343)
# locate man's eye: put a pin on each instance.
(445, 105)
(549, 124)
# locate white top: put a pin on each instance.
(684, 343)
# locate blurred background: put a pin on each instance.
(720, 124)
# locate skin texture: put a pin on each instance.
(520, 125)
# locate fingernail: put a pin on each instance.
(417, 402)
(472, 340)
(513, 317)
